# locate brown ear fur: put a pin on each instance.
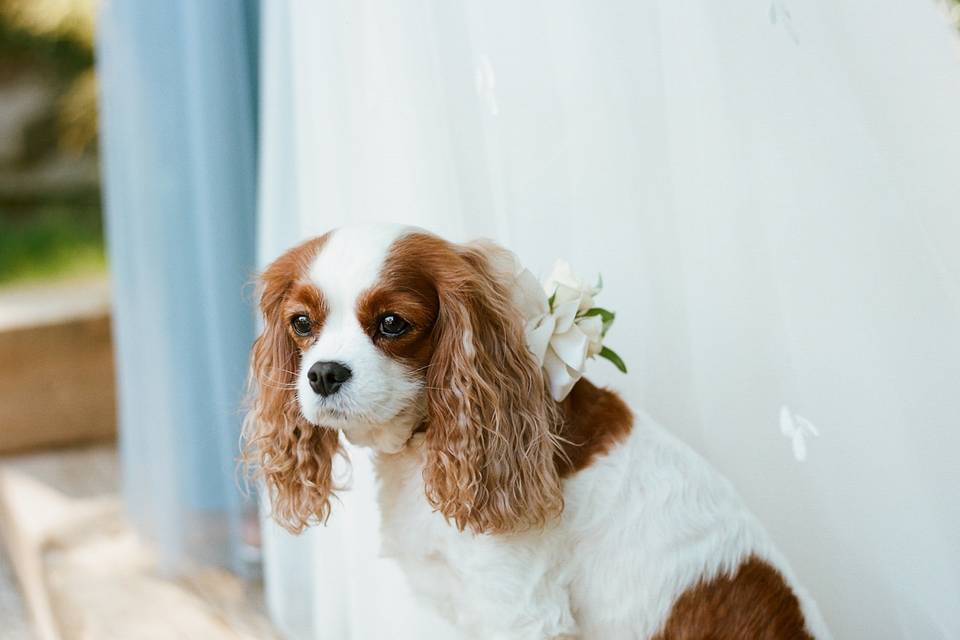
(293, 457)
(490, 436)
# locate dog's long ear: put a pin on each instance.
(491, 422)
(293, 457)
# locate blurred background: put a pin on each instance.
(771, 196)
(71, 563)
(51, 225)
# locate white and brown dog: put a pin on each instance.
(516, 516)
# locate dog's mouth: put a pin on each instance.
(351, 413)
(340, 417)
(327, 415)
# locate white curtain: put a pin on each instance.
(769, 190)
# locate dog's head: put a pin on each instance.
(379, 332)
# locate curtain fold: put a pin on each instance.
(178, 101)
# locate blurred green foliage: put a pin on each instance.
(53, 39)
(60, 52)
(51, 240)
(56, 229)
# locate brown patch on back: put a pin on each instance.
(754, 603)
(594, 420)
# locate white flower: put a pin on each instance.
(592, 327)
(567, 287)
(559, 334)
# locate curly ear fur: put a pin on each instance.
(491, 422)
(293, 457)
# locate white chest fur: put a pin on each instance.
(641, 525)
(504, 586)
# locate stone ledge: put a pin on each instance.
(56, 365)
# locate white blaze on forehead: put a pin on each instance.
(350, 262)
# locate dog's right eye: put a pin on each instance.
(393, 326)
(301, 325)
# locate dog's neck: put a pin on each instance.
(593, 420)
(388, 437)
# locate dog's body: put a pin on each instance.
(514, 516)
(642, 525)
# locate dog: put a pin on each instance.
(512, 514)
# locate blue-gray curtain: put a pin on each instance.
(178, 100)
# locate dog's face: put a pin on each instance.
(376, 332)
(362, 318)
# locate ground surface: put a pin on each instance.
(83, 472)
(13, 613)
(94, 578)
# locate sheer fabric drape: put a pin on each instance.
(768, 190)
(178, 121)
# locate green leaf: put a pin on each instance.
(551, 299)
(598, 311)
(611, 355)
(606, 316)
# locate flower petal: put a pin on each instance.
(560, 376)
(565, 293)
(566, 315)
(529, 296)
(538, 332)
(561, 274)
(571, 347)
(592, 327)
(586, 302)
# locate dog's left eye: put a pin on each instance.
(301, 325)
(392, 326)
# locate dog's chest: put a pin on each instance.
(428, 549)
(470, 579)
(413, 533)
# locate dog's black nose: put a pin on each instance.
(326, 377)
